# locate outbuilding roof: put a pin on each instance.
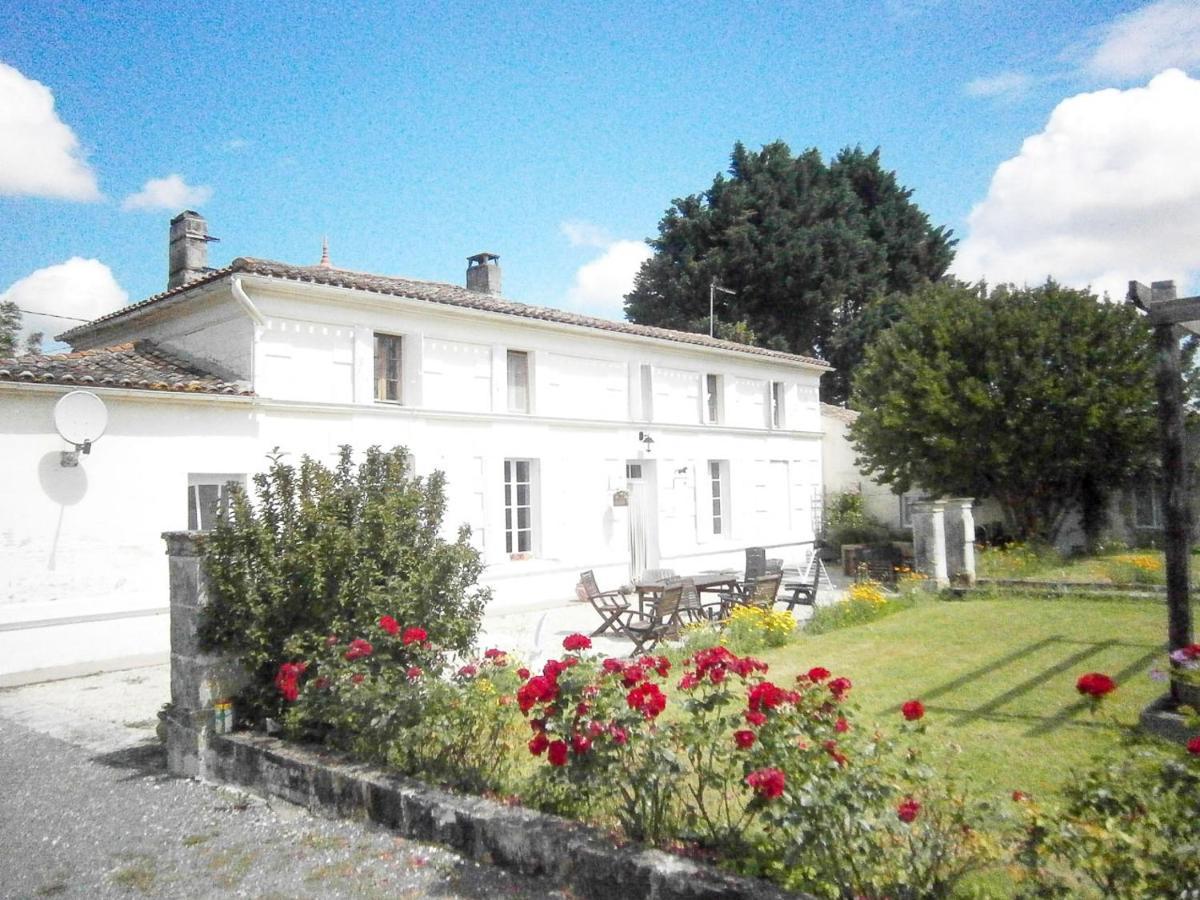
(140, 365)
(433, 292)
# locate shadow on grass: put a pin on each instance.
(1041, 725)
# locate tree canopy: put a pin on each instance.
(1042, 398)
(10, 328)
(817, 254)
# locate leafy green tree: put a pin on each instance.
(807, 247)
(1042, 398)
(325, 552)
(10, 328)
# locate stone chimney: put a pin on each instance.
(187, 257)
(483, 273)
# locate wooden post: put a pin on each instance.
(1164, 312)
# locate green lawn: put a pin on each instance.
(1028, 563)
(997, 677)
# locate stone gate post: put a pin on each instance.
(197, 678)
(960, 540)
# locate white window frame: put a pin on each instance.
(717, 475)
(520, 542)
(382, 341)
(777, 404)
(712, 400)
(514, 404)
(196, 506)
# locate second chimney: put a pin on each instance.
(187, 256)
(483, 273)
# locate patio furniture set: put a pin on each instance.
(666, 602)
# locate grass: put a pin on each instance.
(997, 677)
(1021, 561)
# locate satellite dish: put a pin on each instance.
(80, 418)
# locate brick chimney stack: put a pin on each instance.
(483, 273)
(187, 256)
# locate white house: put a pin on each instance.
(540, 419)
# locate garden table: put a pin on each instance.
(705, 582)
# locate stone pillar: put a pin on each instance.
(960, 540)
(197, 678)
(929, 540)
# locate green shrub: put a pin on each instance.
(847, 521)
(857, 610)
(1130, 828)
(324, 552)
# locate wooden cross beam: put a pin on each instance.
(1162, 306)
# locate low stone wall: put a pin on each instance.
(573, 855)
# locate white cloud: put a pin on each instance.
(585, 234)
(1108, 192)
(1005, 84)
(79, 288)
(171, 193)
(601, 285)
(1162, 35)
(39, 154)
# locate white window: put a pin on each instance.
(518, 381)
(1147, 506)
(518, 506)
(777, 394)
(718, 478)
(712, 399)
(388, 369)
(208, 499)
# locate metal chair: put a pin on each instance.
(609, 604)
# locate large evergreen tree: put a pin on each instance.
(10, 328)
(1042, 398)
(816, 253)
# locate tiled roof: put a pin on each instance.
(438, 292)
(139, 365)
(839, 412)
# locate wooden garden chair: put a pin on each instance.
(803, 592)
(661, 623)
(609, 604)
(761, 593)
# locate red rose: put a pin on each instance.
(468, 671)
(767, 783)
(557, 753)
(1193, 746)
(631, 675)
(744, 739)
(358, 677)
(611, 665)
(358, 649)
(414, 672)
(287, 680)
(1095, 684)
(754, 717)
(1019, 796)
(577, 642)
(818, 673)
(580, 745)
(414, 636)
(839, 687)
(688, 681)
(648, 698)
(841, 726)
(619, 734)
(522, 673)
(493, 653)
(907, 810)
(539, 743)
(913, 710)
(553, 668)
(835, 753)
(767, 695)
(594, 729)
(390, 625)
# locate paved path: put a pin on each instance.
(89, 811)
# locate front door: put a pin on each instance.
(643, 538)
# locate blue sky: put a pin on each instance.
(557, 134)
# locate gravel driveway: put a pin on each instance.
(89, 810)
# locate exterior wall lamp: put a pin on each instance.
(644, 437)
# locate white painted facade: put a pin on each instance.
(85, 542)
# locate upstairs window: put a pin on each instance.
(518, 381)
(712, 399)
(388, 370)
(777, 394)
